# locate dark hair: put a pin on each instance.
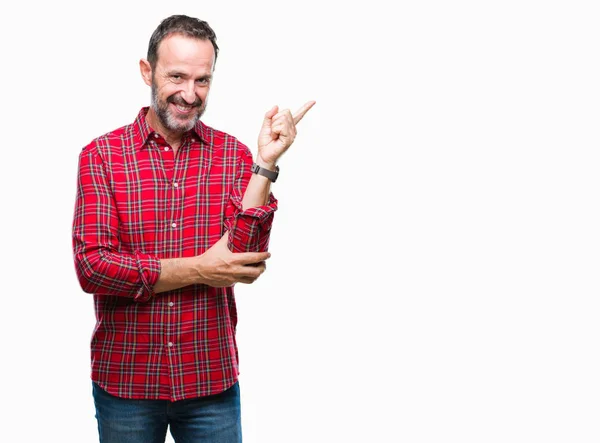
(180, 24)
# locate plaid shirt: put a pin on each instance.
(138, 203)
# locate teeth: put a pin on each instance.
(183, 108)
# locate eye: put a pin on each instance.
(176, 78)
(203, 81)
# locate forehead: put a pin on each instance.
(180, 51)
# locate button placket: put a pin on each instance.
(176, 184)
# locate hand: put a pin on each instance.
(219, 267)
(277, 133)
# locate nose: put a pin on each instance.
(188, 93)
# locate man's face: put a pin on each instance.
(181, 81)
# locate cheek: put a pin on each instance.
(202, 93)
(167, 90)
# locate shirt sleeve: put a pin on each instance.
(249, 230)
(100, 266)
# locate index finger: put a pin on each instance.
(303, 110)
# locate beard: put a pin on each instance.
(168, 119)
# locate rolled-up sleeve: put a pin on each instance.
(249, 230)
(101, 267)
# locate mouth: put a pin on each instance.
(184, 110)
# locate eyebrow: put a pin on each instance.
(183, 74)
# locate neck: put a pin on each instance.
(173, 138)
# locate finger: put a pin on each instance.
(284, 124)
(283, 117)
(269, 115)
(246, 258)
(283, 127)
(261, 263)
(250, 271)
(248, 280)
(303, 110)
(284, 113)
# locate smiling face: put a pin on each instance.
(180, 83)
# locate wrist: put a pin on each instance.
(198, 270)
(265, 172)
(270, 165)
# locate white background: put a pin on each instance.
(435, 262)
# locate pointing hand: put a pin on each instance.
(278, 132)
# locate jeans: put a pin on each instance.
(212, 419)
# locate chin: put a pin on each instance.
(178, 125)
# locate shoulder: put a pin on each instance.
(220, 140)
(111, 142)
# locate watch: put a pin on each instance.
(271, 175)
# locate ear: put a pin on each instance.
(146, 71)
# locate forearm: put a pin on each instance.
(177, 273)
(259, 188)
(251, 208)
(217, 267)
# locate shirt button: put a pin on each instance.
(171, 304)
(156, 135)
(173, 225)
(166, 148)
(176, 184)
(170, 344)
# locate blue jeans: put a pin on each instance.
(213, 419)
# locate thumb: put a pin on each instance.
(269, 115)
(223, 240)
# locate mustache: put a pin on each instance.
(176, 100)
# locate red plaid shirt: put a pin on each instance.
(136, 204)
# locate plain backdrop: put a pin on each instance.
(434, 271)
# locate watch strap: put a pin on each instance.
(271, 175)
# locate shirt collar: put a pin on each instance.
(142, 130)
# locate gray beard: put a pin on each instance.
(165, 116)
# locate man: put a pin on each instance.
(169, 215)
